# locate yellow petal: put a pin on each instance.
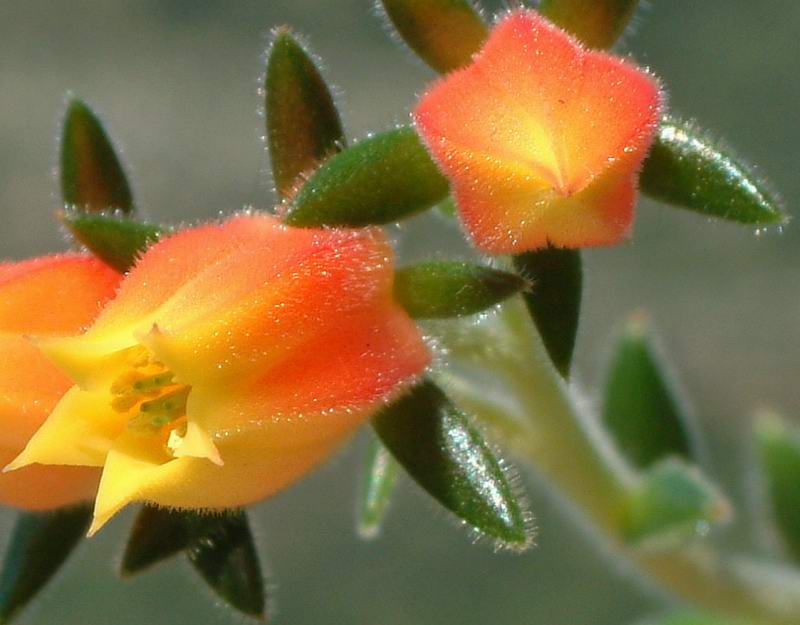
(196, 443)
(80, 431)
(130, 465)
(92, 364)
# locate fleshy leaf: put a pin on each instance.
(673, 504)
(222, 550)
(688, 170)
(116, 241)
(92, 178)
(443, 289)
(444, 33)
(641, 409)
(158, 534)
(448, 457)
(779, 449)
(380, 476)
(554, 299)
(378, 180)
(39, 544)
(303, 125)
(597, 23)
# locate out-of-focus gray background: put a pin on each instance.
(176, 83)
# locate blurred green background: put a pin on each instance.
(176, 83)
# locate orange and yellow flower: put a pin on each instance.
(541, 138)
(48, 296)
(234, 358)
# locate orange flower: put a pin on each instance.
(234, 358)
(48, 296)
(541, 138)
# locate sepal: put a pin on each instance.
(448, 457)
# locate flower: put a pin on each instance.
(541, 139)
(234, 358)
(47, 296)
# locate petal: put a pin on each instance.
(254, 309)
(80, 431)
(529, 127)
(53, 294)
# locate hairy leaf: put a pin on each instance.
(303, 125)
(448, 457)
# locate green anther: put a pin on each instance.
(153, 381)
(158, 412)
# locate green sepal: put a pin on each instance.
(779, 450)
(688, 170)
(444, 33)
(379, 180)
(378, 484)
(157, 534)
(220, 547)
(222, 550)
(118, 241)
(303, 125)
(597, 23)
(641, 408)
(554, 299)
(40, 543)
(672, 504)
(444, 289)
(447, 456)
(92, 178)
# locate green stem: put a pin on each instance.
(564, 443)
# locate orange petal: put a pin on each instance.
(525, 131)
(47, 296)
(53, 294)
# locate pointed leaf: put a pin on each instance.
(779, 450)
(378, 180)
(40, 543)
(692, 619)
(442, 289)
(686, 169)
(92, 177)
(303, 125)
(444, 33)
(641, 410)
(158, 534)
(222, 550)
(597, 23)
(379, 479)
(672, 504)
(449, 458)
(554, 299)
(116, 241)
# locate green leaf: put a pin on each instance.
(444, 33)
(380, 477)
(116, 241)
(597, 23)
(554, 299)
(449, 458)
(303, 125)
(688, 170)
(222, 550)
(378, 180)
(158, 534)
(779, 450)
(641, 410)
(672, 504)
(40, 543)
(92, 178)
(443, 289)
